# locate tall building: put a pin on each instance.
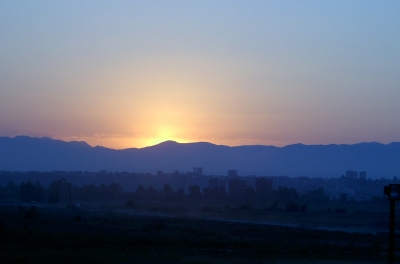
(198, 171)
(232, 173)
(216, 183)
(363, 175)
(263, 185)
(351, 174)
(237, 187)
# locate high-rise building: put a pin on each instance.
(232, 173)
(363, 175)
(351, 174)
(263, 185)
(198, 171)
(237, 187)
(216, 183)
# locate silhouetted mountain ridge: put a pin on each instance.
(23, 153)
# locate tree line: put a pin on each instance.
(282, 198)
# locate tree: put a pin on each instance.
(53, 197)
(208, 193)
(129, 203)
(180, 194)
(32, 192)
(151, 193)
(194, 192)
(292, 206)
(316, 196)
(168, 193)
(249, 193)
(90, 192)
(12, 190)
(114, 190)
(285, 194)
(344, 197)
(53, 194)
(140, 192)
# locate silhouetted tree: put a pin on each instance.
(139, 194)
(30, 192)
(12, 190)
(292, 206)
(207, 193)
(285, 194)
(3, 193)
(194, 192)
(114, 190)
(90, 192)
(274, 206)
(214, 193)
(129, 203)
(343, 197)
(151, 193)
(180, 194)
(249, 193)
(53, 197)
(168, 193)
(316, 196)
(115, 187)
(303, 208)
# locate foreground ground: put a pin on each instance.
(76, 235)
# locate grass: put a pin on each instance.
(57, 235)
(356, 216)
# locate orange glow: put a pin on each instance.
(163, 134)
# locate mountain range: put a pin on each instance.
(23, 153)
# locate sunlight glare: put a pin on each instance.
(163, 135)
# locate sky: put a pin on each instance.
(130, 74)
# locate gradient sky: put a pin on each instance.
(126, 74)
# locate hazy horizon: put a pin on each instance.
(131, 74)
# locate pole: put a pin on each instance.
(70, 195)
(391, 231)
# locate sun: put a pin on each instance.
(163, 135)
(155, 141)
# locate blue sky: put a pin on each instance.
(134, 73)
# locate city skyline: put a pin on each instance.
(124, 74)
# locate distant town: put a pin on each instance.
(351, 186)
(194, 206)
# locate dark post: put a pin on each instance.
(391, 231)
(70, 195)
(393, 193)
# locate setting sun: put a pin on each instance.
(164, 134)
(132, 75)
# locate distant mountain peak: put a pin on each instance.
(170, 142)
(166, 143)
(24, 153)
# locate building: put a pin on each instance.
(198, 171)
(351, 174)
(363, 175)
(237, 187)
(263, 184)
(216, 183)
(232, 173)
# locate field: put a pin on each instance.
(158, 235)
